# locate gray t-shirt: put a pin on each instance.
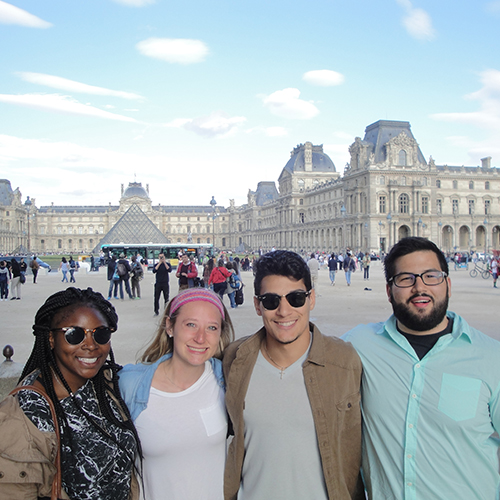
(282, 459)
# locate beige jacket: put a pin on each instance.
(27, 456)
(332, 375)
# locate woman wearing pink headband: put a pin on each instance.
(176, 399)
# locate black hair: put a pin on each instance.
(281, 263)
(409, 245)
(42, 358)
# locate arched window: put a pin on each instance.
(404, 204)
(402, 158)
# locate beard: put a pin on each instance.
(420, 322)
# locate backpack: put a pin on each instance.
(238, 296)
(232, 281)
(122, 269)
(72, 264)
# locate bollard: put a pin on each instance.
(10, 371)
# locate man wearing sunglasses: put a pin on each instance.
(292, 395)
(430, 388)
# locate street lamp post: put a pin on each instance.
(342, 213)
(440, 235)
(485, 222)
(213, 204)
(28, 204)
(389, 220)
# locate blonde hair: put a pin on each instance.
(163, 344)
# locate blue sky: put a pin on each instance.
(207, 98)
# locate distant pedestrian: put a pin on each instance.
(161, 271)
(332, 268)
(218, 279)
(366, 266)
(123, 269)
(73, 268)
(113, 278)
(313, 265)
(64, 268)
(5, 277)
(16, 279)
(137, 275)
(35, 266)
(186, 272)
(349, 267)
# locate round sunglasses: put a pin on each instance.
(271, 301)
(75, 335)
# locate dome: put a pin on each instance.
(135, 189)
(307, 157)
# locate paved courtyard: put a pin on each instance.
(338, 308)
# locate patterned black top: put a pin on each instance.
(93, 466)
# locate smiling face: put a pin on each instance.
(78, 363)
(420, 309)
(286, 324)
(196, 333)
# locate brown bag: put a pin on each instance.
(56, 483)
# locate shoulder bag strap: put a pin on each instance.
(56, 483)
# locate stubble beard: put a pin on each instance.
(420, 322)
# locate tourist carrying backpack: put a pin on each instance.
(137, 275)
(123, 270)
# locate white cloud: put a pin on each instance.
(135, 3)
(174, 50)
(487, 117)
(60, 104)
(215, 125)
(268, 131)
(323, 78)
(417, 22)
(493, 7)
(286, 103)
(14, 15)
(57, 82)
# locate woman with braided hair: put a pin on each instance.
(72, 362)
(176, 399)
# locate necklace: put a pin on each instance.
(169, 379)
(282, 368)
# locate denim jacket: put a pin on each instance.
(135, 383)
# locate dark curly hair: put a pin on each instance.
(42, 358)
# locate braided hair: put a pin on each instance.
(42, 358)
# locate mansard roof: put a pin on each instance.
(266, 193)
(77, 209)
(382, 131)
(6, 194)
(134, 225)
(321, 162)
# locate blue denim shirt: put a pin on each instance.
(135, 383)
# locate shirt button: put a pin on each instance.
(413, 396)
(22, 474)
(417, 365)
(409, 484)
(409, 456)
(410, 426)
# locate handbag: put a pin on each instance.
(22, 278)
(56, 482)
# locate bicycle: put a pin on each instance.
(485, 273)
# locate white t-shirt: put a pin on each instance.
(183, 438)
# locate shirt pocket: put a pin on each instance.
(459, 396)
(214, 419)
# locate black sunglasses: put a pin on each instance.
(271, 301)
(75, 335)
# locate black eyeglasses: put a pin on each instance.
(271, 301)
(75, 335)
(429, 278)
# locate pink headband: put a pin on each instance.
(195, 294)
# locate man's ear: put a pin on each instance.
(256, 304)
(388, 291)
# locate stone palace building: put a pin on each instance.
(387, 191)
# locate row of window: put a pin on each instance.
(404, 205)
(402, 182)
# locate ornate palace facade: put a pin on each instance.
(387, 191)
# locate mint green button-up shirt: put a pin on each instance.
(428, 424)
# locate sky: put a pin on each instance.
(207, 98)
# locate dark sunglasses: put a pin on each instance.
(75, 335)
(271, 301)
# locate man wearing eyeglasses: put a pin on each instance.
(292, 395)
(430, 389)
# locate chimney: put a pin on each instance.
(486, 162)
